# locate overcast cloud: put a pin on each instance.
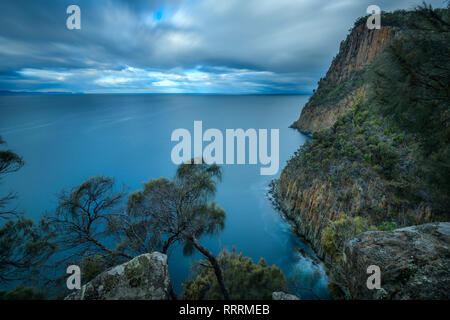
(185, 46)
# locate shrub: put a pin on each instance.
(21, 292)
(387, 226)
(91, 266)
(245, 279)
(339, 231)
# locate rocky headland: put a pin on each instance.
(369, 188)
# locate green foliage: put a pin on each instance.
(345, 228)
(90, 224)
(356, 139)
(387, 226)
(411, 81)
(80, 221)
(244, 279)
(9, 162)
(327, 95)
(24, 247)
(91, 266)
(168, 211)
(177, 210)
(367, 158)
(339, 231)
(21, 292)
(384, 155)
(392, 150)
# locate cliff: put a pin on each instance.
(337, 90)
(378, 160)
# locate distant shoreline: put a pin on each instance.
(31, 93)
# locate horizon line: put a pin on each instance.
(6, 93)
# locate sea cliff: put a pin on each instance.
(336, 91)
(372, 165)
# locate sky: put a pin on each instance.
(176, 46)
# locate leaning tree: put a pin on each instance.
(179, 210)
(90, 221)
(81, 219)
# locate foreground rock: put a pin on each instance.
(146, 277)
(414, 262)
(283, 296)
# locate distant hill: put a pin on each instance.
(28, 93)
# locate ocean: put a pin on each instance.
(65, 139)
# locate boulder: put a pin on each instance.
(145, 277)
(283, 296)
(414, 263)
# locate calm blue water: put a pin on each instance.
(67, 139)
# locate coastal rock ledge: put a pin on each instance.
(414, 262)
(145, 277)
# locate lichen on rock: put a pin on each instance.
(280, 295)
(145, 277)
(414, 263)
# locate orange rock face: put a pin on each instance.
(355, 53)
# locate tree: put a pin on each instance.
(169, 211)
(245, 279)
(89, 217)
(412, 87)
(24, 247)
(82, 216)
(143, 226)
(9, 162)
(24, 244)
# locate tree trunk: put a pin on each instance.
(212, 259)
(172, 292)
(169, 243)
(111, 252)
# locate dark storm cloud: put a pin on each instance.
(175, 46)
